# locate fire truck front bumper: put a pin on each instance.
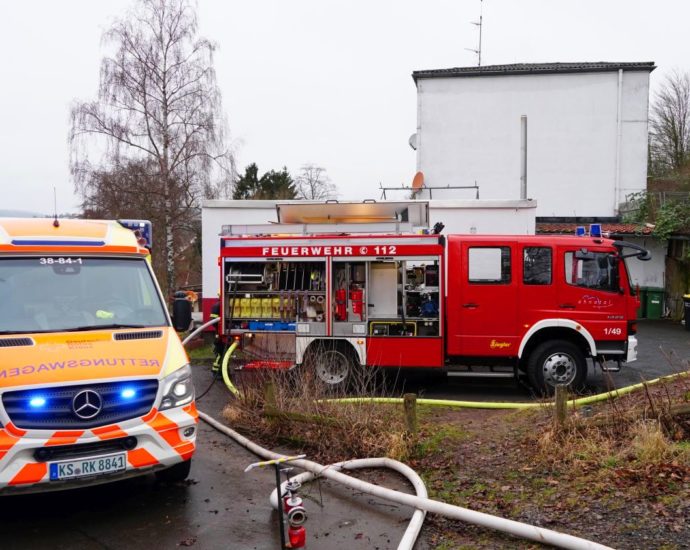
(42, 460)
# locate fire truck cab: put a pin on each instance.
(343, 293)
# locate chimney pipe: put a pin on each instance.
(523, 157)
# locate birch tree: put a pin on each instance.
(158, 106)
(669, 125)
(314, 184)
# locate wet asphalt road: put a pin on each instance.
(222, 507)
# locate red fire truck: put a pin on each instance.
(337, 296)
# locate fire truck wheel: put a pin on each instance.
(557, 362)
(333, 367)
(178, 472)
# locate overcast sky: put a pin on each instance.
(306, 81)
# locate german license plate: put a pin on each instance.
(85, 467)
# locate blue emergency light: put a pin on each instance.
(580, 231)
(37, 402)
(595, 230)
(128, 393)
(143, 229)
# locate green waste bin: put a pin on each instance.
(642, 310)
(655, 303)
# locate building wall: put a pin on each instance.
(468, 130)
(651, 273)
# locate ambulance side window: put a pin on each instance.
(489, 265)
(536, 265)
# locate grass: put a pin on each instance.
(291, 407)
(202, 352)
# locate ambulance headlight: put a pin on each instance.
(178, 388)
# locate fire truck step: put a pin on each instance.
(481, 374)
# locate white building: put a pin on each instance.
(586, 135)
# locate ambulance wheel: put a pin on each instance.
(557, 362)
(178, 472)
(332, 366)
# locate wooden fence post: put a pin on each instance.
(269, 396)
(561, 404)
(410, 408)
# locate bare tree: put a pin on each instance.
(669, 125)
(314, 184)
(158, 114)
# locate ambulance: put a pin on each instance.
(95, 385)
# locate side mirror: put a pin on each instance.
(182, 314)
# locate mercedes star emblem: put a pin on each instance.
(87, 404)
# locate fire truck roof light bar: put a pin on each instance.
(316, 228)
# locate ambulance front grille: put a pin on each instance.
(52, 408)
(15, 342)
(146, 335)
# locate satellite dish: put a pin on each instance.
(418, 182)
(413, 141)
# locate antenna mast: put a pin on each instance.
(56, 223)
(479, 24)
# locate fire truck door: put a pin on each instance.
(592, 293)
(487, 302)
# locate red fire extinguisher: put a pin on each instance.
(297, 535)
(340, 304)
(357, 299)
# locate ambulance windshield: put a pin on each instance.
(65, 293)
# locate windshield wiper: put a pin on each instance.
(102, 327)
(28, 331)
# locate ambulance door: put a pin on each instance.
(486, 317)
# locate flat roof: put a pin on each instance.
(534, 68)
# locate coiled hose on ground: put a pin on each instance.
(420, 502)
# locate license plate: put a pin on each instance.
(85, 467)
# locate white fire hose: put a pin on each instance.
(516, 528)
(415, 524)
(420, 502)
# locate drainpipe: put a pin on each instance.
(619, 139)
(523, 157)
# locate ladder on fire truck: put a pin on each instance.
(334, 217)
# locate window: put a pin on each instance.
(536, 265)
(51, 294)
(489, 265)
(594, 270)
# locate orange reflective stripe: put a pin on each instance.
(7, 441)
(11, 428)
(109, 432)
(140, 458)
(186, 450)
(150, 415)
(170, 431)
(166, 428)
(30, 473)
(191, 410)
(64, 438)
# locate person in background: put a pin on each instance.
(217, 344)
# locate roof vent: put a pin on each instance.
(15, 342)
(146, 335)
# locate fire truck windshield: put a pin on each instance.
(65, 293)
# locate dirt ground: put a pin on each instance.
(489, 461)
(481, 459)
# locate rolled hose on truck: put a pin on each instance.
(420, 502)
